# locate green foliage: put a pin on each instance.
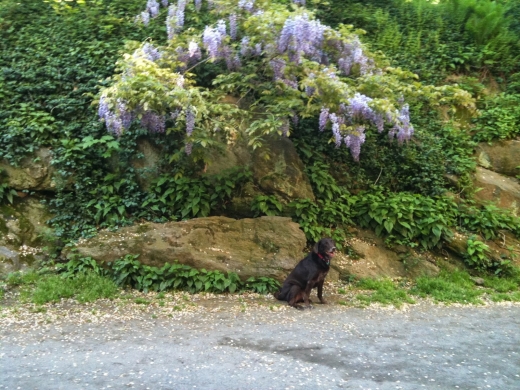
(6, 193)
(384, 291)
(434, 39)
(48, 84)
(499, 119)
(449, 287)
(407, 218)
(84, 287)
(487, 220)
(78, 264)
(266, 205)
(128, 271)
(262, 285)
(19, 278)
(477, 254)
(184, 197)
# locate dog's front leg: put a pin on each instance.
(320, 293)
(306, 294)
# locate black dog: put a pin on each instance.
(308, 274)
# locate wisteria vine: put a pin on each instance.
(301, 42)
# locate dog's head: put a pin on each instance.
(325, 248)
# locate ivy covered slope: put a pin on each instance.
(378, 124)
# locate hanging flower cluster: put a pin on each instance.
(300, 40)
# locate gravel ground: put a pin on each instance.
(251, 342)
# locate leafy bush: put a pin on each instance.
(477, 254)
(128, 271)
(407, 218)
(266, 205)
(6, 193)
(183, 197)
(499, 119)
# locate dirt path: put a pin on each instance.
(234, 346)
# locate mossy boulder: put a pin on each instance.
(23, 234)
(266, 246)
(502, 157)
(494, 187)
(34, 173)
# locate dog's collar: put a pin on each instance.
(322, 258)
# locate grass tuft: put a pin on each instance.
(384, 292)
(448, 287)
(84, 287)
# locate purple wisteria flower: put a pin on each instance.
(245, 48)
(212, 39)
(153, 122)
(193, 49)
(402, 128)
(103, 108)
(352, 53)
(295, 119)
(301, 36)
(188, 148)
(299, 2)
(248, 5)
(181, 6)
(233, 26)
(117, 121)
(145, 17)
(324, 117)
(152, 6)
(171, 21)
(125, 115)
(278, 66)
(151, 52)
(221, 27)
(354, 142)
(175, 114)
(198, 4)
(164, 3)
(190, 121)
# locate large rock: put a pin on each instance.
(34, 172)
(266, 246)
(502, 190)
(277, 168)
(502, 157)
(23, 233)
(372, 259)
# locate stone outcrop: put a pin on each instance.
(372, 259)
(266, 246)
(502, 190)
(34, 173)
(277, 168)
(502, 157)
(23, 233)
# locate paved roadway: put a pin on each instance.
(329, 347)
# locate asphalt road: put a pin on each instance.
(329, 347)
